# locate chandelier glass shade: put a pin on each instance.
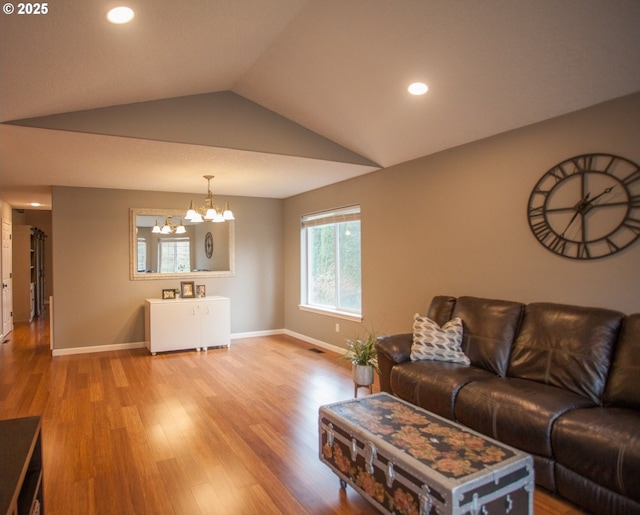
(210, 212)
(168, 227)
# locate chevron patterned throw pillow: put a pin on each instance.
(432, 342)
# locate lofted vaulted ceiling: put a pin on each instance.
(278, 97)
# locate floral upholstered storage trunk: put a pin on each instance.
(406, 460)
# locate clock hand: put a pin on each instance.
(608, 190)
(570, 222)
(579, 208)
(585, 205)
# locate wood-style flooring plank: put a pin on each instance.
(227, 431)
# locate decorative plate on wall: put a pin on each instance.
(208, 245)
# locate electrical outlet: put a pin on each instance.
(337, 328)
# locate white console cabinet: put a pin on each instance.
(178, 324)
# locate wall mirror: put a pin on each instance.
(205, 249)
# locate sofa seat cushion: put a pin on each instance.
(433, 385)
(602, 445)
(515, 411)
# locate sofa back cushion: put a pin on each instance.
(441, 308)
(489, 327)
(570, 347)
(623, 385)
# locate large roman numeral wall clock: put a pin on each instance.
(587, 207)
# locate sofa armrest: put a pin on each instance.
(392, 350)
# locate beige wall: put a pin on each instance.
(455, 223)
(452, 223)
(97, 304)
(5, 209)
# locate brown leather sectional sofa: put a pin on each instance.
(560, 382)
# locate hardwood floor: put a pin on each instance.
(229, 431)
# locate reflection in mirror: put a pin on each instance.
(178, 248)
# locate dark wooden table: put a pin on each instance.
(21, 466)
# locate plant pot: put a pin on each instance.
(362, 375)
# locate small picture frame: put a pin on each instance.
(168, 294)
(187, 289)
(201, 290)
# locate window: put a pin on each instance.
(142, 255)
(331, 275)
(173, 255)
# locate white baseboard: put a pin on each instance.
(97, 348)
(252, 334)
(235, 336)
(313, 341)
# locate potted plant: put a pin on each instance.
(361, 352)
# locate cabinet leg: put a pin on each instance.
(204, 349)
(198, 349)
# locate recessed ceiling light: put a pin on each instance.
(120, 15)
(418, 88)
(35, 204)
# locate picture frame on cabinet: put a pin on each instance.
(201, 290)
(168, 294)
(187, 289)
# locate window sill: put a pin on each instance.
(332, 312)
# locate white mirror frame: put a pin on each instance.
(163, 213)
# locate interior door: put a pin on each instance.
(7, 268)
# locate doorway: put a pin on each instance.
(7, 295)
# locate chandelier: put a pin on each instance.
(209, 211)
(168, 227)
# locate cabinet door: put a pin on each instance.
(174, 326)
(216, 325)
